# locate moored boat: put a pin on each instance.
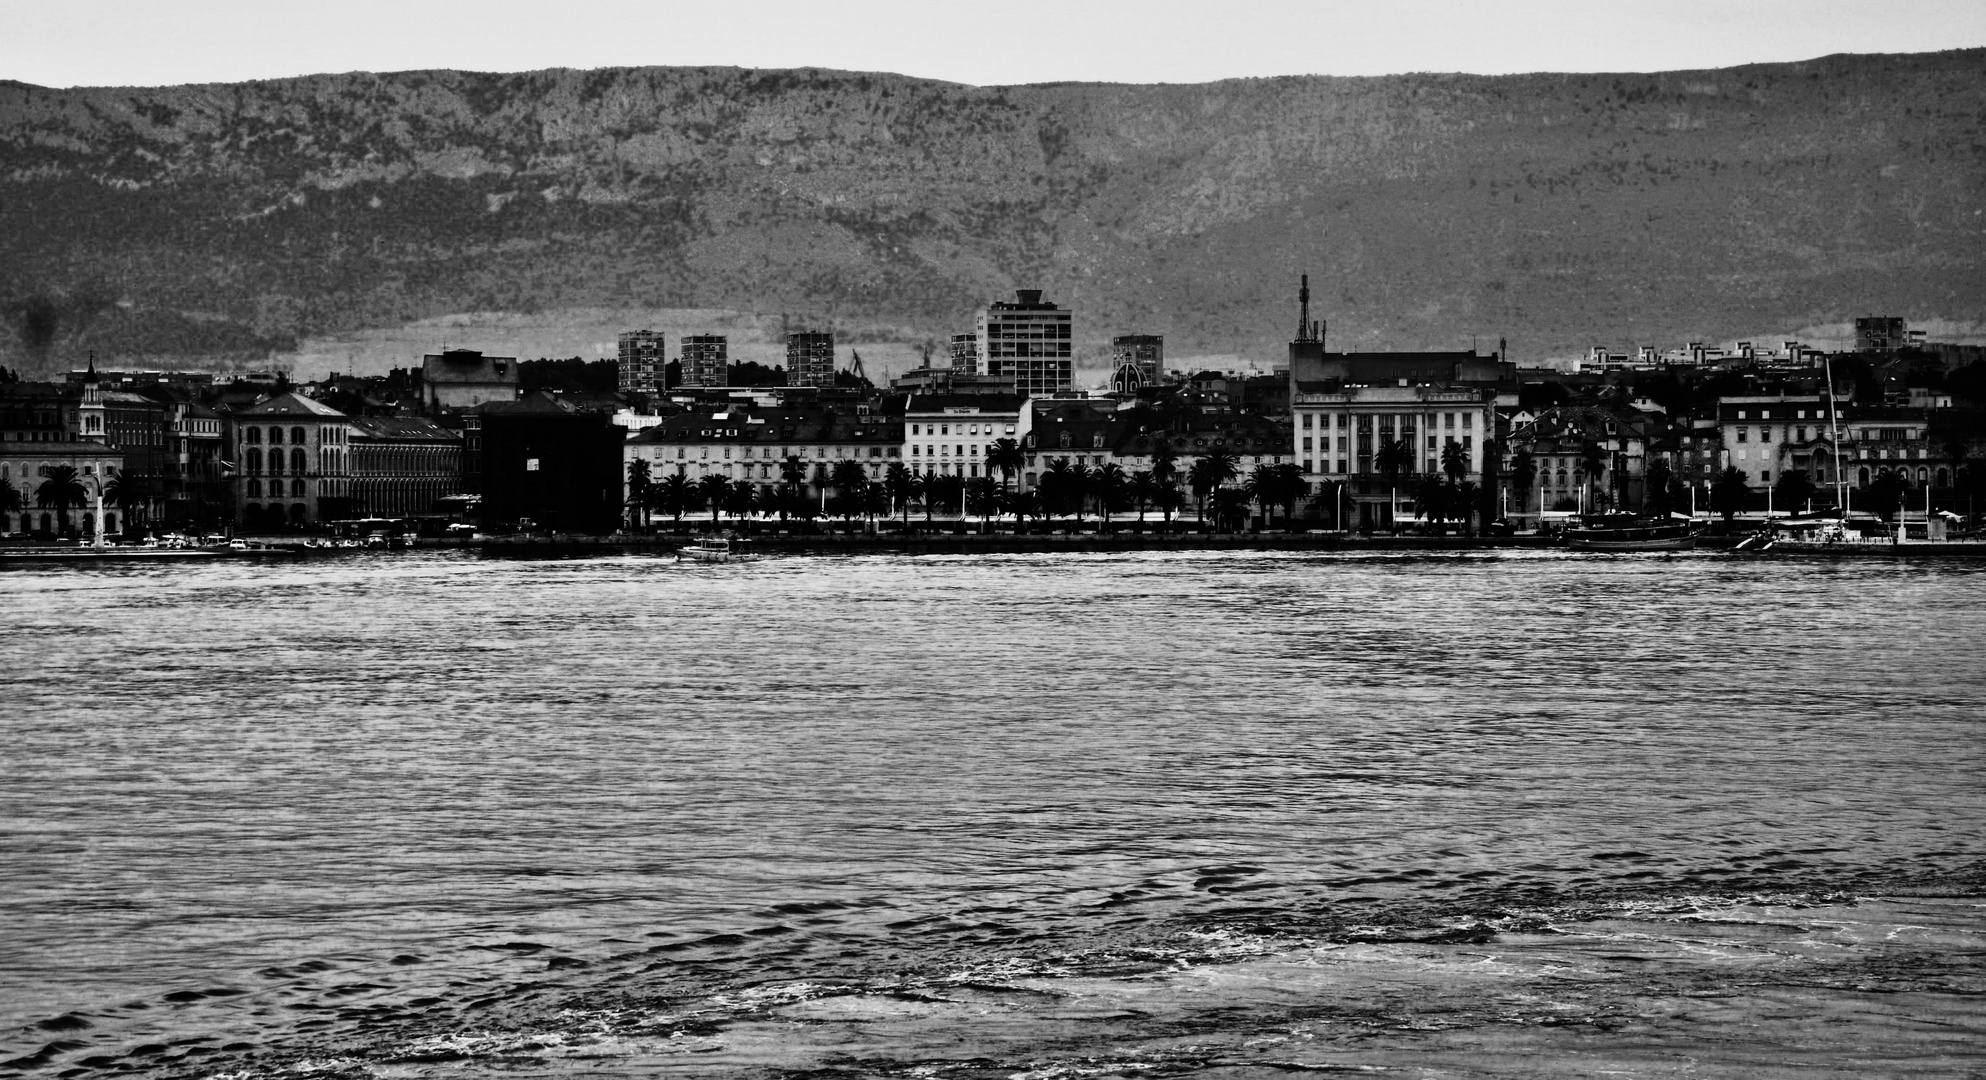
(717, 549)
(1629, 532)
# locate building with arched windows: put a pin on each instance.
(292, 463)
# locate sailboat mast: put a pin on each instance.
(1834, 440)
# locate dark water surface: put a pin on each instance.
(387, 815)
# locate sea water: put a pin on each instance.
(393, 814)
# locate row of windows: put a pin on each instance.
(964, 429)
(32, 472)
(820, 453)
(1448, 421)
(327, 433)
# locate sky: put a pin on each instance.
(159, 42)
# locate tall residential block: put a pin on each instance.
(706, 360)
(1880, 334)
(810, 359)
(1029, 340)
(643, 361)
(1136, 360)
(965, 354)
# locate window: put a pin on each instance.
(275, 435)
(253, 435)
(1743, 434)
(1467, 420)
(298, 462)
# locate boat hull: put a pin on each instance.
(1648, 543)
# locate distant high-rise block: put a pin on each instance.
(965, 354)
(1031, 341)
(1882, 334)
(810, 359)
(643, 361)
(706, 360)
(1136, 360)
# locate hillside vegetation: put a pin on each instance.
(192, 223)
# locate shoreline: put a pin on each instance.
(567, 546)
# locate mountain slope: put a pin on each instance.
(227, 221)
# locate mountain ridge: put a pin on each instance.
(234, 222)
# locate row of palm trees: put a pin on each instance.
(1064, 488)
(61, 490)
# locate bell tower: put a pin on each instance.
(89, 425)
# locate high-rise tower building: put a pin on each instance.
(706, 360)
(965, 354)
(643, 361)
(1136, 360)
(810, 359)
(1029, 340)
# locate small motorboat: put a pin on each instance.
(717, 549)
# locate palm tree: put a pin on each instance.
(1793, 490)
(901, 484)
(1111, 488)
(1523, 473)
(983, 496)
(1730, 494)
(1143, 489)
(1079, 489)
(1169, 500)
(10, 496)
(1024, 505)
(1592, 466)
(130, 492)
(947, 489)
(1466, 495)
(714, 488)
(1656, 499)
(1293, 487)
(639, 479)
(1057, 480)
(59, 490)
(1006, 456)
(875, 500)
(1165, 470)
(793, 479)
(1454, 462)
(1885, 493)
(1208, 474)
(1433, 493)
(1394, 458)
(849, 480)
(1230, 507)
(741, 500)
(1275, 485)
(674, 495)
(927, 492)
